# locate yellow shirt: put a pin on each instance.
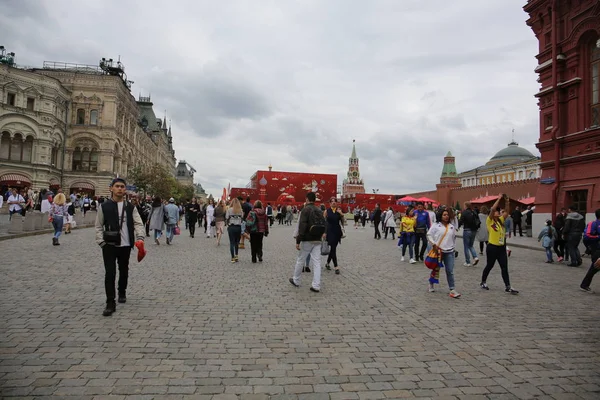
(496, 231)
(408, 224)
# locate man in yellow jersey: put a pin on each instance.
(496, 249)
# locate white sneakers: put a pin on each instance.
(466, 265)
(402, 259)
(412, 261)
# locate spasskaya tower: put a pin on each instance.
(353, 182)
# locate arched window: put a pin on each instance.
(85, 160)
(5, 146)
(80, 116)
(94, 117)
(54, 157)
(595, 82)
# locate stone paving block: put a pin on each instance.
(211, 329)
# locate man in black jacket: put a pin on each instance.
(118, 226)
(308, 241)
(517, 218)
(574, 227)
(470, 223)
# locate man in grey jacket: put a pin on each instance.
(118, 226)
(572, 232)
(172, 213)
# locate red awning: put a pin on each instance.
(82, 185)
(426, 200)
(408, 198)
(527, 201)
(485, 199)
(15, 178)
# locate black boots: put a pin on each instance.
(109, 310)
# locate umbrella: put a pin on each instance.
(408, 199)
(426, 200)
(485, 199)
(527, 201)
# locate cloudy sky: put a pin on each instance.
(292, 83)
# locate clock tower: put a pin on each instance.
(353, 182)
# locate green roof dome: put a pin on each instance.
(511, 154)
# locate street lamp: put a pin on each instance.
(375, 191)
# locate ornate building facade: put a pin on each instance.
(105, 132)
(568, 33)
(513, 163)
(353, 183)
(33, 112)
(184, 173)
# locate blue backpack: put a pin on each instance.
(591, 235)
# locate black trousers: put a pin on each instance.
(559, 247)
(496, 253)
(333, 254)
(391, 230)
(377, 233)
(573, 249)
(256, 245)
(420, 238)
(113, 255)
(587, 281)
(192, 225)
(481, 246)
(515, 224)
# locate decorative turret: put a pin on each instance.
(353, 182)
(449, 174)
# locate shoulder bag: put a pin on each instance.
(114, 237)
(434, 257)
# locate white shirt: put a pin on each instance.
(124, 231)
(15, 207)
(436, 232)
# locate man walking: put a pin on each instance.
(15, 203)
(572, 232)
(421, 228)
(377, 221)
(470, 223)
(118, 224)
(311, 231)
(172, 218)
(594, 244)
(517, 218)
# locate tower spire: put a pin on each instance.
(353, 182)
(353, 156)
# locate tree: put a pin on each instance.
(457, 205)
(159, 181)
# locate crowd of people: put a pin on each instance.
(429, 235)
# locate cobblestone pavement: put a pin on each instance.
(196, 326)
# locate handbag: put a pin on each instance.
(325, 248)
(434, 257)
(114, 237)
(176, 231)
(213, 223)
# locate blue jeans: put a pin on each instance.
(448, 260)
(235, 233)
(468, 242)
(408, 240)
(549, 253)
(157, 234)
(170, 231)
(57, 223)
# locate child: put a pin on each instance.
(547, 236)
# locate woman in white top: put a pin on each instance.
(442, 236)
(210, 219)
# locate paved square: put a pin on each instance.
(198, 327)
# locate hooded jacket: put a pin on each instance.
(262, 224)
(574, 224)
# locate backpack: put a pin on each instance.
(71, 209)
(316, 222)
(591, 234)
(251, 222)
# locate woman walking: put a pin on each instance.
(496, 248)
(234, 217)
(210, 218)
(57, 214)
(482, 235)
(156, 219)
(258, 227)
(442, 236)
(192, 210)
(219, 215)
(407, 229)
(335, 221)
(390, 223)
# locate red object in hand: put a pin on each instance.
(141, 250)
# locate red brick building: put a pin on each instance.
(568, 32)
